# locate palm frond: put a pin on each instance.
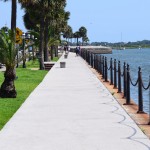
(53, 41)
(7, 51)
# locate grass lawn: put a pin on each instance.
(35, 64)
(55, 59)
(27, 81)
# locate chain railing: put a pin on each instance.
(99, 62)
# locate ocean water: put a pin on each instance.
(135, 58)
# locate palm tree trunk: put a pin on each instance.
(13, 17)
(8, 88)
(13, 22)
(41, 46)
(46, 41)
(77, 41)
(52, 47)
(56, 51)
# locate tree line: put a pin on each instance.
(46, 20)
(120, 45)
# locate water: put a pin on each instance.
(135, 58)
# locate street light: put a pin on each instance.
(25, 36)
(6, 32)
(61, 36)
(17, 47)
(31, 47)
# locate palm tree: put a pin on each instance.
(68, 32)
(58, 22)
(37, 6)
(85, 39)
(51, 40)
(83, 33)
(49, 15)
(8, 55)
(77, 36)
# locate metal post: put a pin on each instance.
(140, 94)
(111, 72)
(95, 62)
(103, 70)
(115, 76)
(124, 80)
(91, 60)
(128, 86)
(119, 77)
(24, 54)
(106, 69)
(83, 56)
(100, 64)
(88, 57)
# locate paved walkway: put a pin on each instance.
(72, 110)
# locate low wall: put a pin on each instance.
(94, 49)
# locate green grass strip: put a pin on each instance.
(27, 81)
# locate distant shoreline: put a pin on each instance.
(114, 48)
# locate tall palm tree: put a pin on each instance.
(8, 45)
(83, 33)
(77, 36)
(68, 32)
(57, 17)
(85, 39)
(37, 6)
(51, 16)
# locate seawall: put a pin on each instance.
(94, 49)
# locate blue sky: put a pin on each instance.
(105, 20)
(5, 15)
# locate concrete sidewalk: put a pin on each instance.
(72, 110)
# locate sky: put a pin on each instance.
(5, 15)
(105, 20)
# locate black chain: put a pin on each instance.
(145, 88)
(133, 83)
